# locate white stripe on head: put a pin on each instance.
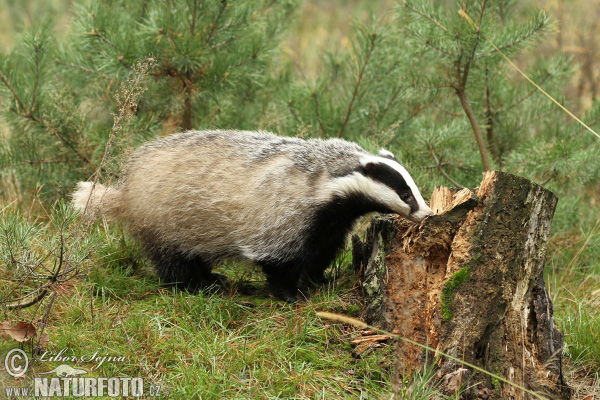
(360, 184)
(407, 178)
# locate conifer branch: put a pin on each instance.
(52, 129)
(373, 38)
(28, 300)
(527, 121)
(464, 101)
(528, 95)
(28, 114)
(194, 18)
(441, 170)
(428, 17)
(82, 68)
(489, 115)
(433, 87)
(482, 11)
(390, 102)
(34, 162)
(245, 20)
(428, 43)
(253, 56)
(553, 173)
(467, 67)
(102, 38)
(216, 23)
(36, 78)
(223, 43)
(317, 113)
(445, 110)
(462, 75)
(292, 110)
(523, 38)
(592, 123)
(13, 92)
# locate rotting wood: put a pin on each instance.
(469, 282)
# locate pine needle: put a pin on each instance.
(474, 25)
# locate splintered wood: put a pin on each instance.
(468, 281)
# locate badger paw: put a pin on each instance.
(286, 294)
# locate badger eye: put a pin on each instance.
(405, 196)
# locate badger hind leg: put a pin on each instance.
(185, 272)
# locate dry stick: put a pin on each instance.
(27, 303)
(474, 25)
(125, 106)
(363, 325)
(45, 319)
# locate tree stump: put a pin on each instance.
(469, 282)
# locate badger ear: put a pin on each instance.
(387, 154)
(369, 167)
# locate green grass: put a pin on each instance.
(211, 346)
(215, 345)
(573, 277)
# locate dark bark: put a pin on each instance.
(469, 282)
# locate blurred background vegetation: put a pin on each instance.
(402, 75)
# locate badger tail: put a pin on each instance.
(94, 201)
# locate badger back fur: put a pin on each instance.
(196, 199)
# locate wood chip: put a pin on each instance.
(372, 338)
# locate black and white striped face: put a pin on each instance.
(387, 184)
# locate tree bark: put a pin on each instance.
(469, 282)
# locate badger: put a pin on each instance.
(198, 198)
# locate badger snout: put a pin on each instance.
(420, 214)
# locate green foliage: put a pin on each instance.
(36, 255)
(214, 346)
(408, 82)
(210, 60)
(573, 277)
(450, 286)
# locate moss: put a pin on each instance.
(495, 381)
(352, 310)
(447, 298)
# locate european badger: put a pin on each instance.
(195, 199)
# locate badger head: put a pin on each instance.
(385, 184)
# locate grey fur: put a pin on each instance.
(219, 195)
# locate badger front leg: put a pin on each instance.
(283, 280)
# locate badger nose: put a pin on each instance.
(420, 214)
